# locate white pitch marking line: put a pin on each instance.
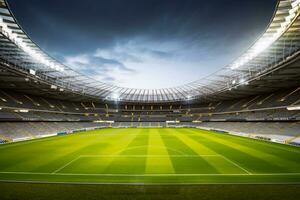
(235, 164)
(66, 165)
(142, 156)
(59, 169)
(151, 175)
(82, 174)
(158, 156)
(149, 183)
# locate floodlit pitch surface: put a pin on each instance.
(150, 155)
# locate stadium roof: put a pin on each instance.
(278, 45)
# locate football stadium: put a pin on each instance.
(233, 134)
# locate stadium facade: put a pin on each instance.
(257, 95)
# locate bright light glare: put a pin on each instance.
(189, 97)
(20, 43)
(293, 108)
(114, 96)
(265, 41)
(243, 82)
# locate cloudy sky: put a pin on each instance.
(144, 43)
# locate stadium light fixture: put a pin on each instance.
(103, 121)
(243, 81)
(173, 121)
(54, 87)
(293, 107)
(265, 41)
(21, 44)
(32, 72)
(114, 96)
(196, 121)
(22, 111)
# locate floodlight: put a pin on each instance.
(243, 81)
(39, 57)
(32, 72)
(114, 96)
(293, 108)
(263, 43)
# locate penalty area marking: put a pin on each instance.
(156, 156)
(131, 156)
(150, 175)
(66, 165)
(235, 164)
(162, 156)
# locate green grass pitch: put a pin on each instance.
(150, 155)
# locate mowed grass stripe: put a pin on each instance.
(273, 158)
(217, 163)
(49, 155)
(191, 143)
(99, 164)
(90, 145)
(158, 165)
(286, 152)
(94, 142)
(124, 163)
(175, 146)
(193, 161)
(138, 146)
(249, 158)
(252, 163)
(246, 157)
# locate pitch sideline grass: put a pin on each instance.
(34, 191)
(150, 156)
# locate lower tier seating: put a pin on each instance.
(16, 131)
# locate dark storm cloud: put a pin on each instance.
(97, 67)
(123, 41)
(110, 62)
(157, 53)
(72, 25)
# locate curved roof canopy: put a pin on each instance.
(279, 41)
